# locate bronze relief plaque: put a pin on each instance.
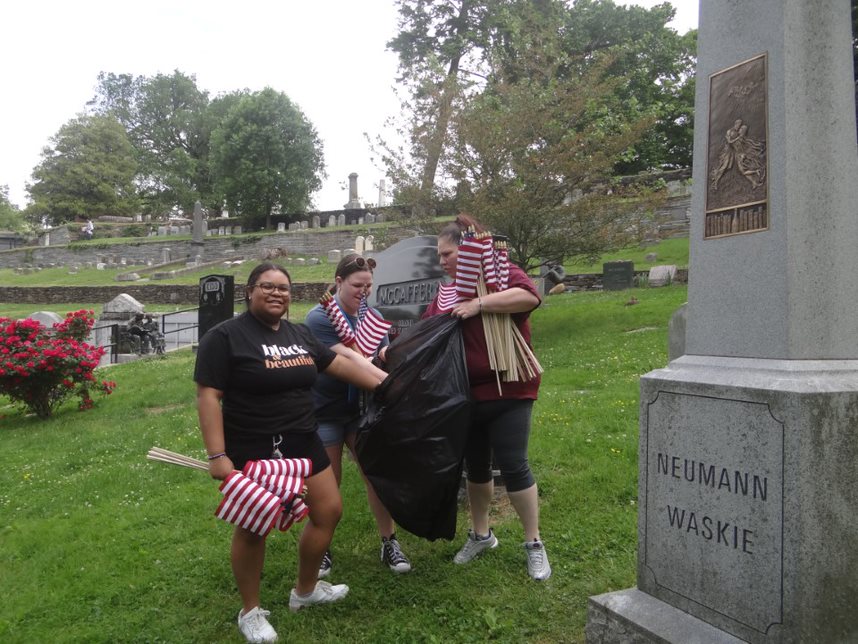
(737, 157)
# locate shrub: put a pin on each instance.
(39, 368)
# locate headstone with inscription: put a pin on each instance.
(216, 301)
(748, 485)
(618, 276)
(405, 281)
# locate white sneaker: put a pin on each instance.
(474, 546)
(537, 560)
(255, 627)
(323, 593)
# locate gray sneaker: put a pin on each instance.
(323, 593)
(255, 627)
(474, 546)
(537, 560)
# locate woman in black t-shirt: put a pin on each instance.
(254, 375)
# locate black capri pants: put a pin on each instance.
(502, 428)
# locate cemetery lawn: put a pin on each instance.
(668, 251)
(100, 545)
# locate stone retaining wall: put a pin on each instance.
(144, 293)
(313, 243)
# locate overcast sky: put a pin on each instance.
(328, 56)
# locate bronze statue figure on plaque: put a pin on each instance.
(737, 191)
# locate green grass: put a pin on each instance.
(99, 545)
(669, 251)
(322, 272)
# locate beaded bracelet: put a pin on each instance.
(216, 456)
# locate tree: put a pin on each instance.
(11, 217)
(435, 37)
(168, 122)
(537, 149)
(266, 156)
(657, 66)
(453, 51)
(87, 171)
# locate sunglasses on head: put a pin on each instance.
(362, 263)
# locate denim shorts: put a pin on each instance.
(334, 432)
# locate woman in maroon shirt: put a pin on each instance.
(500, 416)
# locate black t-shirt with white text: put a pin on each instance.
(266, 375)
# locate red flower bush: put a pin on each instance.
(39, 368)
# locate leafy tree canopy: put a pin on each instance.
(168, 122)
(11, 218)
(453, 50)
(88, 170)
(538, 146)
(266, 156)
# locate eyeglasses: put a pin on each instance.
(268, 288)
(362, 262)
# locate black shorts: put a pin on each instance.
(242, 447)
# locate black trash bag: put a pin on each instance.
(411, 442)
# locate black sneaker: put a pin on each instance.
(392, 555)
(325, 567)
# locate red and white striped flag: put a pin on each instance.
(447, 297)
(338, 320)
(468, 266)
(489, 263)
(248, 505)
(502, 266)
(302, 467)
(371, 332)
(293, 515)
(285, 478)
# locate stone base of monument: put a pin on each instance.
(633, 617)
(748, 489)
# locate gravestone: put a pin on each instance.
(334, 256)
(354, 201)
(748, 485)
(165, 255)
(341, 220)
(405, 281)
(217, 294)
(236, 230)
(46, 318)
(281, 226)
(618, 276)
(662, 275)
(199, 230)
(369, 244)
(332, 221)
(359, 244)
(122, 306)
(315, 222)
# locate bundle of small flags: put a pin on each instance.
(482, 267)
(264, 494)
(371, 327)
(480, 258)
